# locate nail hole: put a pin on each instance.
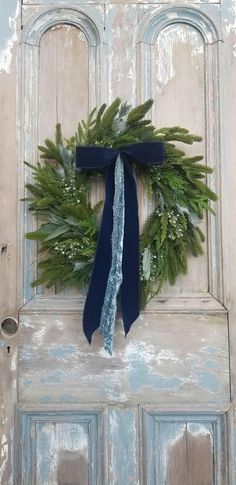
(9, 326)
(4, 248)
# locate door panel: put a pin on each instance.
(63, 80)
(63, 86)
(190, 449)
(60, 448)
(178, 63)
(153, 363)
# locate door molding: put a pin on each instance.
(163, 429)
(36, 430)
(148, 34)
(91, 24)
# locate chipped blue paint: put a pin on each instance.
(44, 450)
(46, 399)
(8, 32)
(209, 381)
(161, 431)
(28, 353)
(7, 10)
(2, 344)
(124, 438)
(140, 376)
(44, 433)
(192, 359)
(211, 364)
(62, 351)
(140, 373)
(27, 382)
(210, 350)
(67, 398)
(51, 379)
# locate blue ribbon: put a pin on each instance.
(95, 157)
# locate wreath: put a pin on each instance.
(69, 224)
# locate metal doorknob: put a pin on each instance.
(9, 326)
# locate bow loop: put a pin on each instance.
(145, 153)
(95, 157)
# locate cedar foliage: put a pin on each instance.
(68, 231)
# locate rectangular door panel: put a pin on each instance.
(165, 357)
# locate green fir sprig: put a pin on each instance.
(69, 227)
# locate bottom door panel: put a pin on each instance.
(121, 445)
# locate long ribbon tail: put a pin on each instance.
(130, 288)
(105, 280)
(108, 316)
(102, 263)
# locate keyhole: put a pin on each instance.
(8, 349)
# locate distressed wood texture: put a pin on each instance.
(228, 76)
(178, 67)
(63, 85)
(9, 33)
(158, 411)
(100, 444)
(68, 447)
(153, 362)
(172, 53)
(8, 391)
(63, 80)
(129, 2)
(190, 450)
(59, 64)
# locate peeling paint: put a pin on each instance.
(166, 354)
(27, 322)
(167, 43)
(51, 379)
(209, 350)
(230, 20)
(140, 373)
(55, 440)
(234, 50)
(62, 351)
(38, 336)
(4, 455)
(27, 382)
(209, 381)
(13, 362)
(199, 429)
(8, 34)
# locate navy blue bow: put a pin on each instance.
(94, 157)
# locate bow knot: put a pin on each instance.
(116, 263)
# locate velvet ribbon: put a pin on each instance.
(95, 157)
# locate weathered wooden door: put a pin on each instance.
(158, 411)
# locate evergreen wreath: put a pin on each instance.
(69, 227)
